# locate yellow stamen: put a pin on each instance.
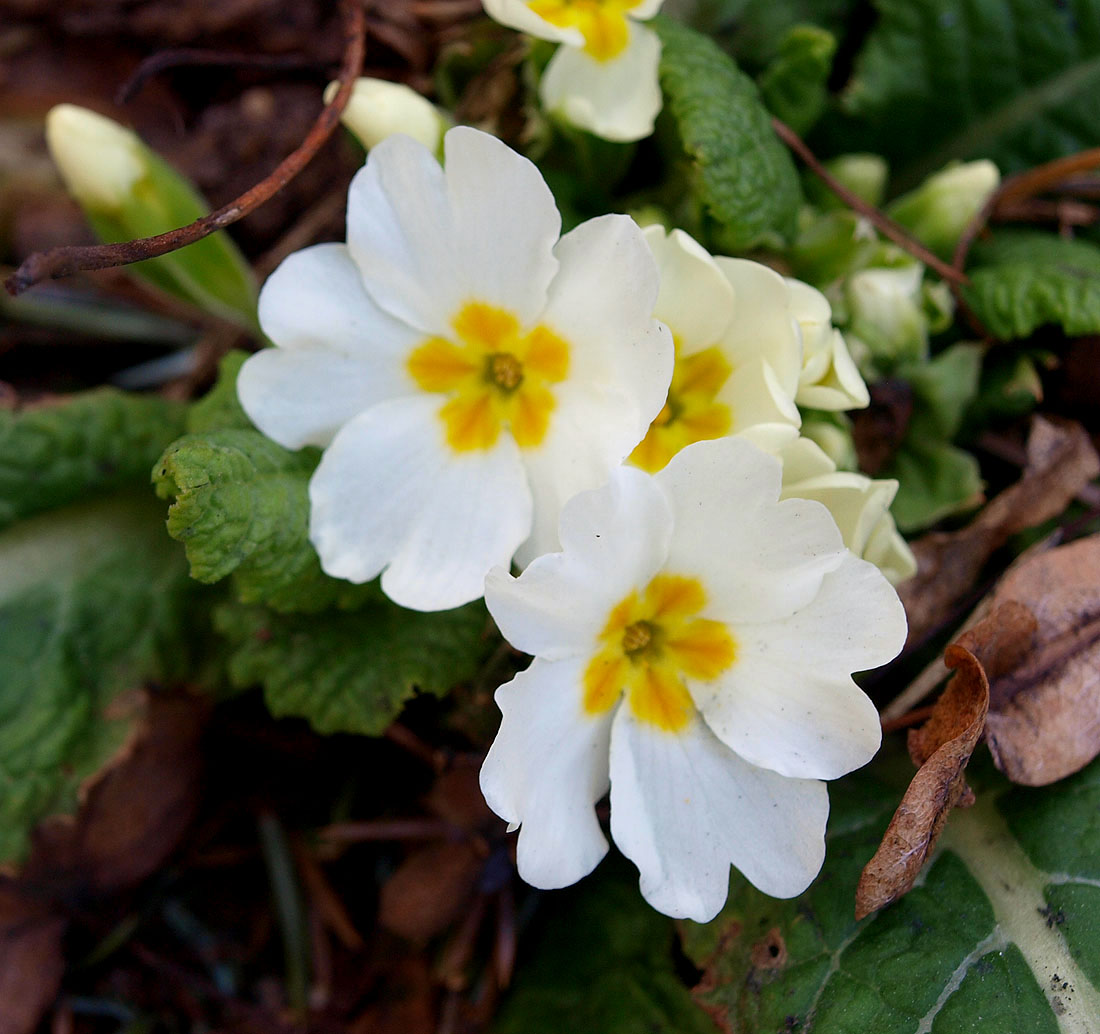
(649, 645)
(691, 413)
(495, 376)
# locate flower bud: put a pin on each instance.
(831, 432)
(938, 211)
(863, 174)
(378, 109)
(99, 160)
(885, 310)
(127, 192)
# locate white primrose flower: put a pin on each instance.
(693, 647)
(737, 350)
(603, 77)
(465, 370)
(750, 344)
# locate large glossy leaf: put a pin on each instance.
(1001, 934)
(1017, 81)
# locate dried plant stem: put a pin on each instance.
(58, 262)
(882, 222)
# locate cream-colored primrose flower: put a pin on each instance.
(465, 370)
(379, 108)
(693, 647)
(860, 506)
(737, 350)
(603, 77)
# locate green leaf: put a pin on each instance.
(1012, 80)
(602, 964)
(1002, 934)
(352, 672)
(937, 479)
(794, 85)
(92, 606)
(242, 508)
(211, 273)
(1024, 280)
(94, 442)
(741, 173)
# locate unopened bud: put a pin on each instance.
(99, 160)
(939, 210)
(885, 308)
(378, 109)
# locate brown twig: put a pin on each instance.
(58, 262)
(904, 721)
(882, 222)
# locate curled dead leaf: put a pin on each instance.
(945, 744)
(1060, 462)
(1044, 711)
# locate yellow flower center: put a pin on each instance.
(602, 23)
(494, 376)
(690, 414)
(649, 645)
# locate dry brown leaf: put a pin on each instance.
(430, 889)
(946, 743)
(31, 962)
(1060, 462)
(1044, 711)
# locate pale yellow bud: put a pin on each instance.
(379, 109)
(99, 160)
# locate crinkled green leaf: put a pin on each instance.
(1023, 280)
(94, 442)
(352, 671)
(1002, 934)
(741, 173)
(1017, 81)
(92, 606)
(603, 964)
(794, 85)
(942, 389)
(242, 508)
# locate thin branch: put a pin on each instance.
(882, 222)
(59, 262)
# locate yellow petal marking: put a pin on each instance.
(602, 23)
(649, 644)
(691, 413)
(494, 375)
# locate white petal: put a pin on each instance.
(593, 430)
(389, 492)
(316, 299)
(858, 504)
(616, 99)
(400, 230)
(517, 14)
(613, 539)
(684, 807)
(803, 459)
(788, 702)
(602, 303)
(506, 222)
(758, 560)
(304, 396)
(430, 241)
(696, 300)
(763, 324)
(841, 386)
(755, 396)
(546, 769)
(645, 10)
